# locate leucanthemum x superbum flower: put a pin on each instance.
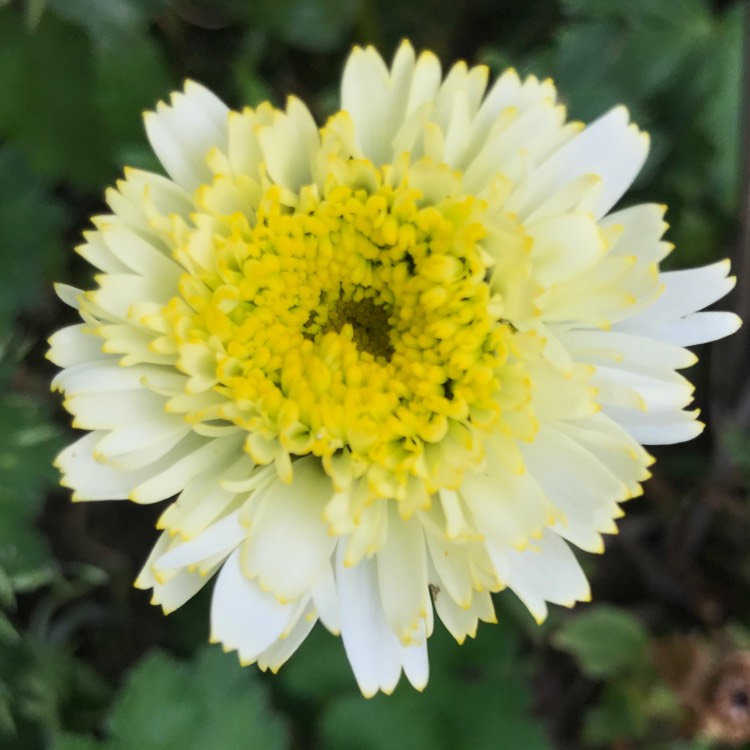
(388, 366)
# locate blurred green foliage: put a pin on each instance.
(76, 667)
(478, 697)
(171, 705)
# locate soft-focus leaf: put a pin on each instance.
(7, 723)
(46, 687)
(211, 703)
(75, 742)
(382, 723)
(315, 25)
(130, 70)
(477, 697)
(319, 668)
(107, 21)
(47, 99)
(604, 640)
(28, 443)
(8, 633)
(721, 77)
(127, 85)
(636, 10)
(30, 249)
(7, 595)
(34, 10)
(618, 716)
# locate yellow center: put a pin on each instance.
(352, 323)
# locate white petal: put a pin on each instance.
(657, 427)
(141, 256)
(288, 541)
(143, 201)
(223, 536)
(75, 345)
(453, 567)
(547, 572)
(506, 506)
(424, 82)
(509, 93)
(698, 328)
(69, 295)
(638, 353)
(326, 601)
(144, 435)
(565, 246)
(204, 499)
(365, 94)
(461, 81)
(610, 147)
(189, 461)
(278, 653)
(182, 134)
(683, 293)
(92, 480)
(117, 293)
(415, 661)
(641, 228)
(101, 376)
(290, 144)
(373, 650)
(463, 621)
(583, 488)
(664, 391)
(691, 290)
(612, 446)
(243, 617)
(146, 579)
(529, 135)
(95, 411)
(404, 597)
(96, 252)
(178, 589)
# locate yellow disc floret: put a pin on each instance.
(351, 321)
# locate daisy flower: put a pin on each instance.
(383, 368)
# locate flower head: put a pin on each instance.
(388, 366)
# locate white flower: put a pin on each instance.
(387, 367)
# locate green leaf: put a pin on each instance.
(28, 443)
(720, 79)
(319, 668)
(49, 688)
(313, 25)
(47, 99)
(7, 595)
(104, 20)
(32, 220)
(382, 722)
(7, 722)
(28, 580)
(604, 640)
(66, 741)
(34, 11)
(635, 11)
(619, 715)
(8, 633)
(24, 554)
(477, 697)
(125, 84)
(210, 703)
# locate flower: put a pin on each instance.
(388, 366)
